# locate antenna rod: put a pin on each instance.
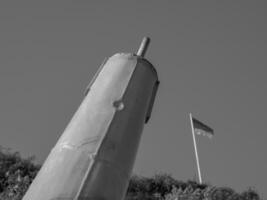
(143, 47)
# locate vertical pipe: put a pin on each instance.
(143, 47)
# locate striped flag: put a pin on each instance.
(202, 129)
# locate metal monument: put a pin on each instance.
(94, 157)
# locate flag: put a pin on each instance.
(202, 129)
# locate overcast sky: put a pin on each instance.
(211, 61)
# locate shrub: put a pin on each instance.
(16, 174)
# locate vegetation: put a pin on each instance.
(16, 174)
(164, 187)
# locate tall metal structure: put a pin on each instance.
(94, 157)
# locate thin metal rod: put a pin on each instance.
(143, 47)
(195, 147)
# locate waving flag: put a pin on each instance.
(202, 129)
(199, 128)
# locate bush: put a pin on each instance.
(16, 174)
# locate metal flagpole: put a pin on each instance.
(195, 147)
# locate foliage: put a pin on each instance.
(159, 185)
(16, 174)
(164, 187)
(212, 193)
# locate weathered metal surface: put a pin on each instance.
(94, 157)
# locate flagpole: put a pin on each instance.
(195, 147)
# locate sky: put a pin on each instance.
(211, 61)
